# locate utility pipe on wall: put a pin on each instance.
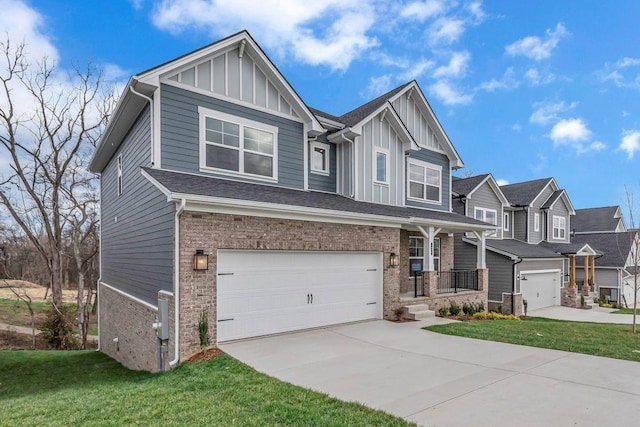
(176, 283)
(150, 100)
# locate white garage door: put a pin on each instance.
(540, 289)
(267, 292)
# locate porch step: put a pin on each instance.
(418, 312)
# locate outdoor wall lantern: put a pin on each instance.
(200, 260)
(393, 259)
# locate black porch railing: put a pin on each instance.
(453, 281)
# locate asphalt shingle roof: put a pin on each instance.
(320, 113)
(614, 246)
(552, 199)
(522, 249)
(182, 183)
(354, 117)
(595, 219)
(523, 193)
(463, 186)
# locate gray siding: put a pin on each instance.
(464, 254)
(323, 182)
(180, 142)
(537, 236)
(559, 209)
(500, 275)
(605, 277)
(137, 226)
(520, 225)
(485, 197)
(436, 159)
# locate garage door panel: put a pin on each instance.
(540, 289)
(267, 292)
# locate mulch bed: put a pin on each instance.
(208, 354)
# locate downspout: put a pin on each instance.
(98, 282)
(176, 283)
(150, 100)
(513, 290)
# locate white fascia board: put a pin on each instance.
(495, 187)
(586, 250)
(153, 76)
(274, 210)
(156, 184)
(345, 133)
(542, 191)
(425, 107)
(567, 201)
(450, 225)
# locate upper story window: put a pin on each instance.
(507, 220)
(559, 227)
(237, 146)
(320, 157)
(120, 175)
(536, 222)
(425, 181)
(487, 215)
(381, 165)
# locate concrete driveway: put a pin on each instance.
(596, 314)
(439, 380)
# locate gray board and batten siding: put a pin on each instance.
(180, 137)
(438, 159)
(320, 182)
(137, 226)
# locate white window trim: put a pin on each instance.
(484, 218)
(119, 181)
(505, 221)
(384, 151)
(327, 162)
(242, 122)
(437, 270)
(424, 253)
(559, 228)
(536, 222)
(424, 165)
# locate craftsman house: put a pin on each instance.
(225, 197)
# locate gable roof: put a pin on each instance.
(517, 249)
(131, 104)
(524, 193)
(557, 195)
(615, 247)
(177, 185)
(360, 113)
(463, 186)
(592, 220)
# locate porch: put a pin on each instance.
(580, 289)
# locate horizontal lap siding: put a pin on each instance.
(500, 275)
(180, 141)
(137, 226)
(485, 197)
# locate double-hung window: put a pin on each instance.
(320, 157)
(425, 181)
(487, 215)
(559, 227)
(234, 145)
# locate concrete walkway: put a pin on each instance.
(440, 380)
(27, 331)
(596, 314)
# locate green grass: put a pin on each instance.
(626, 311)
(15, 312)
(88, 388)
(598, 339)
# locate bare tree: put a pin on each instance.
(633, 256)
(46, 143)
(23, 296)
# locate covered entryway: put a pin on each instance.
(268, 292)
(540, 288)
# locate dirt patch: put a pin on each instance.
(11, 340)
(33, 290)
(208, 354)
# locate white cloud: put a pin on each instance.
(621, 73)
(546, 112)
(506, 82)
(457, 66)
(477, 14)
(415, 70)
(628, 62)
(286, 26)
(630, 142)
(535, 78)
(537, 48)
(446, 30)
(21, 23)
(422, 10)
(516, 127)
(574, 133)
(136, 4)
(502, 182)
(449, 95)
(377, 86)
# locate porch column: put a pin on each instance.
(586, 274)
(572, 262)
(430, 236)
(593, 273)
(481, 254)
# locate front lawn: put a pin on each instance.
(598, 339)
(626, 311)
(56, 388)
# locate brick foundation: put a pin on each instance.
(570, 297)
(505, 306)
(211, 232)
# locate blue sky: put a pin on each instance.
(524, 90)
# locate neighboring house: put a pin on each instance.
(225, 195)
(604, 228)
(531, 255)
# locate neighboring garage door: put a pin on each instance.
(267, 292)
(540, 289)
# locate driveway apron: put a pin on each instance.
(440, 380)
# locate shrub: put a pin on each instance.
(499, 310)
(466, 309)
(581, 300)
(398, 312)
(203, 329)
(454, 309)
(526, 305)
(479, 307)
(58, 327)
(494, 316)
(442, 311)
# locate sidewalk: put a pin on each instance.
(596, 314)
(27, 331)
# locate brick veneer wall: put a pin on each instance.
(131, 323)
(446, 257)
(211, 232)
